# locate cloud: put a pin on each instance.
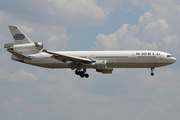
(64, 86)
(57, 38)
(178, 8)
(21, 75)
(14, 100)
(110, 5)
(2, 16)
(20, 115)
(117, 40)
(63, 12)
(150, 46)
(164, 82)
(5, 67)
(147, 17)
(167, 9)
(156, 27)
(78, 12)
(171, 39)
(149, 33)
(26, 29)
(159, 112)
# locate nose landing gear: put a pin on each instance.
(152, 69)
(82, 74)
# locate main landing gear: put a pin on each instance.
(152, 69)
(82, 74)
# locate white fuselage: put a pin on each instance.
(114, 59)
(26, 51)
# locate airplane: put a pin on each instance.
(32, 53)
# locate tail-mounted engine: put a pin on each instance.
(24, 48)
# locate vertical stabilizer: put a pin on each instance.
(19, 36)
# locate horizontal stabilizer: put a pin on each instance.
(8, 45)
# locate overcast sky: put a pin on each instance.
(32, 93)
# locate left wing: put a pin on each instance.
(19, 55)
(65, 58)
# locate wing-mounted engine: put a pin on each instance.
(101, 66)
(105, 71)
(24, 48)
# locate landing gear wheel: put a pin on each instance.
(77, 72)
(82, 74)
(152, 74)
(86, 75)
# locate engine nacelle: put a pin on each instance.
(105, 71)
(99, 65)
(26, 48)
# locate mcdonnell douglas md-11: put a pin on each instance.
(26, 51)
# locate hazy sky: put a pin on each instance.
(32, 93)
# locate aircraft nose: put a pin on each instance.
(174, 59)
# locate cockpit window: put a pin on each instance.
(169, 56)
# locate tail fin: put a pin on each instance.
(19, 36)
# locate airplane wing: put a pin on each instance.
(19, 55)
(65, 58)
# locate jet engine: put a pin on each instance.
(105, 71)
(99, 65)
